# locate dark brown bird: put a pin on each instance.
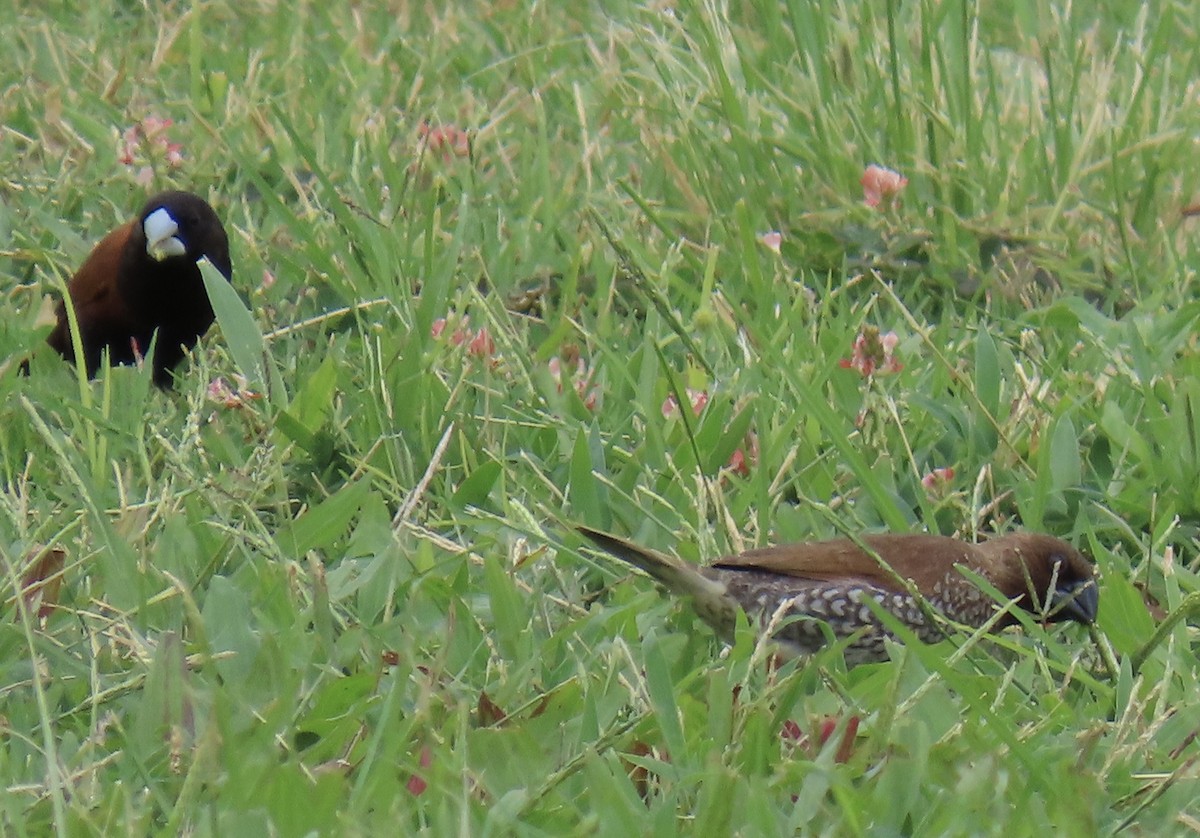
(826, 585)
(142, 278)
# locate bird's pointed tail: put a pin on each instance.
(674, 574)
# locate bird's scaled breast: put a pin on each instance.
(812, 611)
(961, 601)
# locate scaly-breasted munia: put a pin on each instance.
(827, 583)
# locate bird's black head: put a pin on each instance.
(180, 225)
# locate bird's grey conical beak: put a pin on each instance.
(1078, 601)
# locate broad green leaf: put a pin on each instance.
(508, 609)
(475, 489)
(588, 495)
(323, 524)
(987, 373)
(1065, 466)
(242, 335)
(314, 400)
(662, 694)
(230, 629)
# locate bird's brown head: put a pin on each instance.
(1047, 576)
(177, 227)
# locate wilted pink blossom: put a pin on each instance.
(482, 345)
(873, 352)
(461, 333)
(698, 399)
(131, 138)
(772, 241)
(937, 478)
(232, 396)
(479, 343)
(146, 142)
(791, 731)
(448, 140)
(881, 184)
(416, 784)
(745, 457)
(792, 734)
(581, 380)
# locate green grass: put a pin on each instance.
(353, 607)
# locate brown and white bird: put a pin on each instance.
(827, 584)
(141, 279)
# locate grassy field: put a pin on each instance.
(493, 248)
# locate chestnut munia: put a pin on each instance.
(825, 584)
(141, 279)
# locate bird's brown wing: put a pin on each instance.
(921, 558)
(93, 290)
